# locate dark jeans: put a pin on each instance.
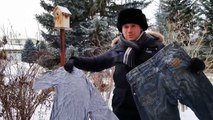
(163, 80)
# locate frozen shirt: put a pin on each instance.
(76, 98)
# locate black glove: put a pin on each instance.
(196, 65)
(69, 65)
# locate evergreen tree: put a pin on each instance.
(206, 29)
(42, 46)
(180, 19)
(161, 20)
(92, 22)
(29, 52)
(183, 21)
(206, 9)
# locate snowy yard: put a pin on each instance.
(186, 115)
(185, 112)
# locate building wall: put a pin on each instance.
(14, 48)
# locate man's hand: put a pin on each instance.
(115, 41)
(69, 65)
(196, 65)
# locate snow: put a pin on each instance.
(43, 114)
(185, 112)
(188, 115)
(11, 47)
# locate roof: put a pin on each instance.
(63, 9)
(11, 47)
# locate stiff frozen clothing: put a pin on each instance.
(163, 80)
(76, 98)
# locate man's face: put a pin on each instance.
(131, 31)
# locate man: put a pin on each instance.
(134, 47)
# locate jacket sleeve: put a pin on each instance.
(96, 63)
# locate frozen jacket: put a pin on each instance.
(75, 98)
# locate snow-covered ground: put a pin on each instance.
(41, 114)
(188, 115)
(185, 112)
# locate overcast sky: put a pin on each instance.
(19, 16)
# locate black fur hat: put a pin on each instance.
(132, 15)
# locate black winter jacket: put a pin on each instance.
(123, 102)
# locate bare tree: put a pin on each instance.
(18, 100)
(103, 81)
(193, 46)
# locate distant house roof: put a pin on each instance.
(8, 47)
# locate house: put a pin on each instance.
(13, 52)
(14, 47)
